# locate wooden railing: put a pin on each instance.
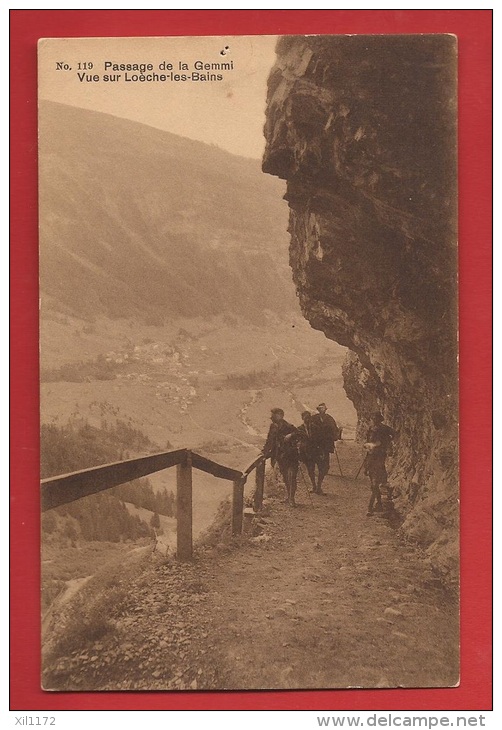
(65, 488)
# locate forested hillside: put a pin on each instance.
(104, 516)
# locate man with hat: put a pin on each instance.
(280, 447)
(378, 440)
(326, 433)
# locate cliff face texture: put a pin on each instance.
(363, 128)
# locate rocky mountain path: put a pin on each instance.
(324, 597)
(328, 597)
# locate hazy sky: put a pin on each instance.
(229, 113)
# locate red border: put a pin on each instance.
(473, 28)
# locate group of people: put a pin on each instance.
(312, 443)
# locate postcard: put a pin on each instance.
(249, 386)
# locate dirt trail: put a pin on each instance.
(331, 598)
(326, 597)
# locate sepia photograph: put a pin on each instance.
(248, 362)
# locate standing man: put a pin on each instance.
(327, 433)
(308, 448)
(280, 447)
(378, 440)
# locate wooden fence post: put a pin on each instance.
(237, 506)
(260, 483)
(184, 508)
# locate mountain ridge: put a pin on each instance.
(139, 222)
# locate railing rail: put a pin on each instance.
(64, 488)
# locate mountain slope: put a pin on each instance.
(138, 222)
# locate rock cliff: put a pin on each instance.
(363, 129)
